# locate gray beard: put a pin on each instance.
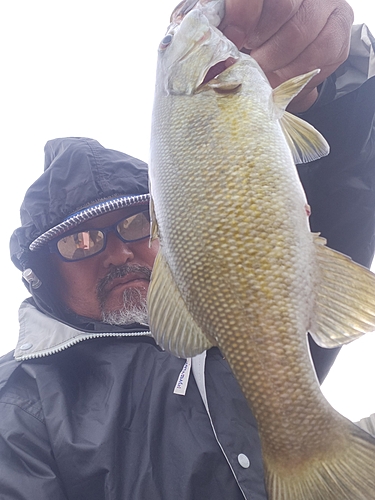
(134, 310)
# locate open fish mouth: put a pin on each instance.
(217, 69)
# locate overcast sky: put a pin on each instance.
(87, 68)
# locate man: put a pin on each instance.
(91, 408)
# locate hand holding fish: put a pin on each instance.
(291, 38)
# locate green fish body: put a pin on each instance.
(238, 266)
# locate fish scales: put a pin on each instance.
(238, 263)
(247, 194)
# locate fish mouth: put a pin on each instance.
(217, 69)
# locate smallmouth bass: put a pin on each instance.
(236, 249)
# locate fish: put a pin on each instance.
(238, 266)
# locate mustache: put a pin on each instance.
(120, 272)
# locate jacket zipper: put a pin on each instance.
(81, 338)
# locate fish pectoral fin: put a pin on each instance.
(305, 142)
(170, 322)
(221, 87)
(225, 87)
(345, 298)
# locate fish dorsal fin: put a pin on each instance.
(345, 304)
(170, 322)
(305, 142)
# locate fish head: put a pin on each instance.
(187, 53)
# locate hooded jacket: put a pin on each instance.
(90, 411)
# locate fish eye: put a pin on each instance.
(165, 42)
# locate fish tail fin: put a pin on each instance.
(346, 474)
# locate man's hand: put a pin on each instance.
(291, 37)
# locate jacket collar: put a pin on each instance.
(41, 335)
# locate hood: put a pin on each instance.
(81, 180)
(78, 173)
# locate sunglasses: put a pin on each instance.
(83, 244)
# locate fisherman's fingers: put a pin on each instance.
(240, 19)
(328, 50)
(251, 23)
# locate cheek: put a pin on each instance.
(76, 285)
(81, 280)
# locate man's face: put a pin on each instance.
(97, 286)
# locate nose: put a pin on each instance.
(116, 252)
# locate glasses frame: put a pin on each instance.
(53, 248)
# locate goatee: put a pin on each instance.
(134, 306)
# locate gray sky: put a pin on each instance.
(86, 68)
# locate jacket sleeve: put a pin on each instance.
(27, 466)
(340, 187)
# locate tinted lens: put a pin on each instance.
(80, 245)
(135, 227)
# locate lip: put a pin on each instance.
(129, 279)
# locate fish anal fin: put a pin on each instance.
(170, 322)
(305, 142)
(344, 471)
(345, 298)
